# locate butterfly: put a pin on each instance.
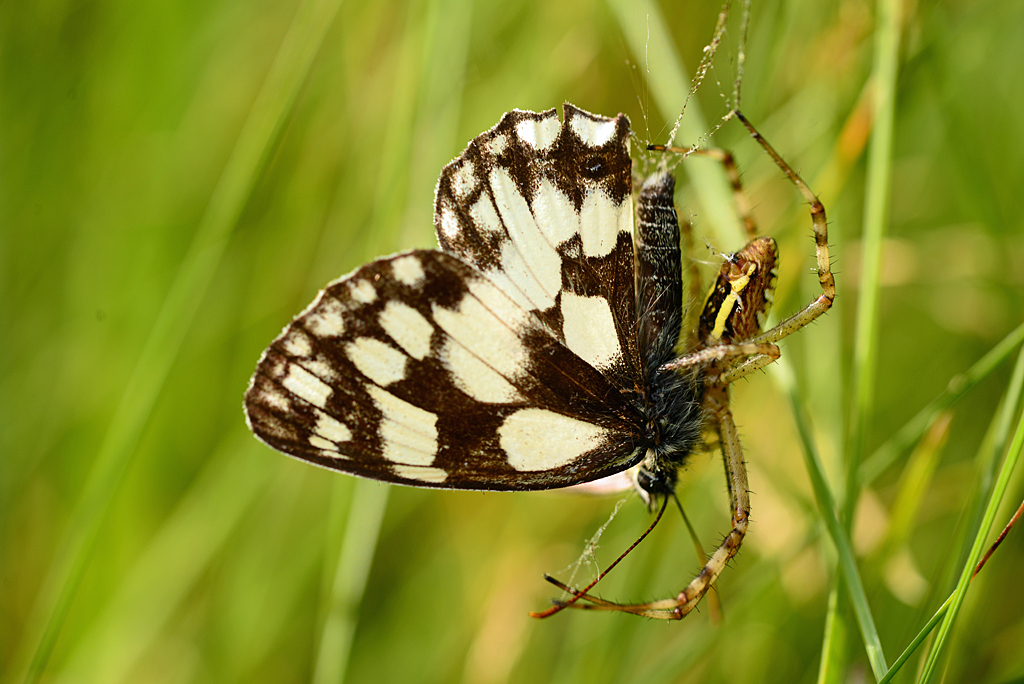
(544, 345)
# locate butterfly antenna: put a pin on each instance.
(582, 593)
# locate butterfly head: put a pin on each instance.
(655, 478)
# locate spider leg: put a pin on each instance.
(819, 222)
(739, 500)
(721, 352)
(732, 172)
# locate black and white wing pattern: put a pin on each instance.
(508, 360)
(544, 210)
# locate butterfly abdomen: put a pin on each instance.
(673, 399)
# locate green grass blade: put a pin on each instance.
(255, 140)
(1000, 435)
(827, 509)
(916, 643)
(865, 354)
(366, 513)
(879, 178)
(172, 564)
(995, 498)
(897, 445)
(830, 663)
(1011, 402)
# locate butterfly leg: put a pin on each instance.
(739, 503)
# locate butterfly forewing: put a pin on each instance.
(417, 369)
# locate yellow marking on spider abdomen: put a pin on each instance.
(731, 301)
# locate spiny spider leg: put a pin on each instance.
(739, 502)
(729, 328)
(720, 353)
(823, 302)
(717, 399)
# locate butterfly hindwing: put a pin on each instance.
(418, 369)
(543, 208)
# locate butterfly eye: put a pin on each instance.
(656, 484)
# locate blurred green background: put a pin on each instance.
(177, 179)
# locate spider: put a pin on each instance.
(722, 344)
